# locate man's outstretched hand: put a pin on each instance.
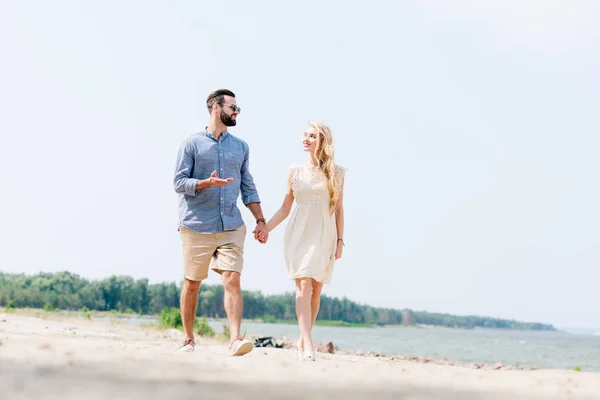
(214, 180)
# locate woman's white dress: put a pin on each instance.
(310, 238)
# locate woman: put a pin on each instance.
(314, 235)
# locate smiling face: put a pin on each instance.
(222, 107)
(228, 111)
(310, 139)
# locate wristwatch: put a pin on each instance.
(261, 220)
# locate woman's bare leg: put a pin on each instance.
(315, 300)
(315, 303)
(303, 312)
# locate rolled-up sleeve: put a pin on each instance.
(247, 186)
(183, 182)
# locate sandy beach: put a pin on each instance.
(73, 358)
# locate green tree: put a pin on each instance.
(67, 291)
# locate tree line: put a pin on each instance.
(68, 291)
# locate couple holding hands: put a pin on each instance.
(212, 171)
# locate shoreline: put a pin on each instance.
(324, 348)
(73, 358)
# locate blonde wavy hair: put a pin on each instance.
(324, 156)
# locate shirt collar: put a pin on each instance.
(206, 133)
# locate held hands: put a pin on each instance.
(261, 233)
(214, 180)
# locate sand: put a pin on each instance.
(80, 359)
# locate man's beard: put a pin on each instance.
(227, 120)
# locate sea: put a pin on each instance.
(518, 348)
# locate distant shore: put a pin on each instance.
(66, 290)
(333, 323)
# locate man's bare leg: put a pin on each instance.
(189, 306)
(234, 307)
(234, 302)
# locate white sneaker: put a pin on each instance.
(188, 346)
(240, 346)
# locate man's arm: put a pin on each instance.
(256, 210)
(247, 186)
(252, 201)
(183, 182)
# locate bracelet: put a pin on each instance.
(342, 240)
(261, 220)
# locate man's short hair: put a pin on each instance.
(216, 97)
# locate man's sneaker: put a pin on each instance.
(188, 346)
(240, 346)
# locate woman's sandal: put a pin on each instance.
(309, 356)
(299, 352)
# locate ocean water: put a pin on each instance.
(539, 349)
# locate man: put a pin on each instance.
(212, 169)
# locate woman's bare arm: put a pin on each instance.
(339, 221)
(283, 212)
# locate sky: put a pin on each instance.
(469, 130)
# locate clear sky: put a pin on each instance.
(470, 130)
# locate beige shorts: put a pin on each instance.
(220, 252)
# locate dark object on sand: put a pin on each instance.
(326, 348)
(268, 341)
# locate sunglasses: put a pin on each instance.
(234, 107)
